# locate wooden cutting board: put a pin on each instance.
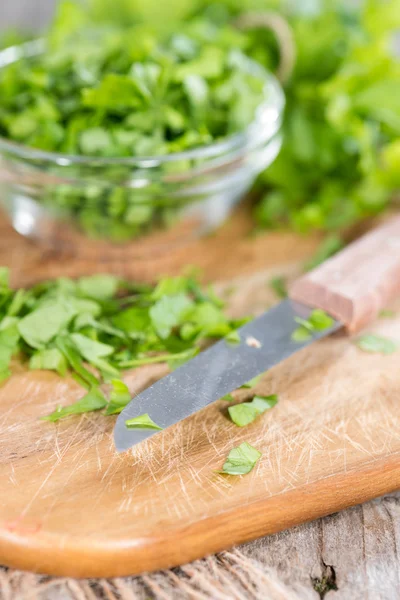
(69, 505)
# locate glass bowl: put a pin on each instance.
(150, 203)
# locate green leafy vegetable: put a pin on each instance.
(168, 312)
(119, 397)
(120, 88)
(247, 412)
(241, 460)
(50, 359)
(142, 422)
(93, 400)
(337, 162)
(376, 343)
(9, 338)
(96, 327)
(279, 286)
(317, 321)
(320, 320)
(135, 78)
(99, 287)
(233, 337)
(46, 322)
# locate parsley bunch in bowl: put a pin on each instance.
(119, 129)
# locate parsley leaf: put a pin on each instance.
(9, 338)
(169, 312)
(45, 323)
(119, 397)
(142, 422)
(279, 286)
(99, 287)
(74, 360)
(233, 337)
(93, 352)
(93, 400)
(370, 342)
(247, 412)
(318, 320)
(49, 359)
(241, 460)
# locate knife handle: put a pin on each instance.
(355, 284)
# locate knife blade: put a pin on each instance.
(265, 341)
(353, 286)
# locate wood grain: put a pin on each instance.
(358, 282)
(70, 505)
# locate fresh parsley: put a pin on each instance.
(142, 422)
(92, 401)
(246, 412)
(124, 88)
(119, 397)
(129, 78)
(241, 460)
(370, 342)
(318, 320)
(233, 337)
(95, 328)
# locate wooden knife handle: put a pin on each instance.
(355, 284)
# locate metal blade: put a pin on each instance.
(216, 372)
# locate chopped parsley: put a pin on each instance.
(241, 460)
(318, 320)
(233, 337)
(127, 89)
(246, 412)
(95, 328)
(142, 422)
(378, 344)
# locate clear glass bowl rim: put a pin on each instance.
(275, 100)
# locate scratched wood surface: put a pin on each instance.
(359, 543)
(69, 505)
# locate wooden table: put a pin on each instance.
(354, 552)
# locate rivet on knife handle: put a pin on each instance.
(355, 284)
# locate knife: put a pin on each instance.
(352, 286)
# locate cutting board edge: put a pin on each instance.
(204, 536)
